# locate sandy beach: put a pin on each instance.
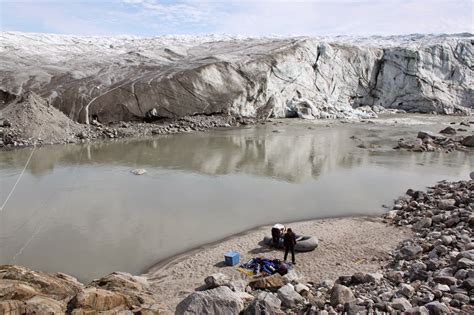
(346, 246)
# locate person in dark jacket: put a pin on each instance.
(290, 242)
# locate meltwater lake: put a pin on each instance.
(78, 209)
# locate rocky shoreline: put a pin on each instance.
(430, 273)
(23, 291)
(448, 140)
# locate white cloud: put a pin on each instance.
(349, 17)
(257, 17)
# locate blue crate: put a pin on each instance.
(232, 258)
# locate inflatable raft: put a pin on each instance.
(303, 243)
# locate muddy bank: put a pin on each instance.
(30, 120)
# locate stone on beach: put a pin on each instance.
(216, 280)
(264, 304)
(288, 296)
(220, 300)
(340, 295)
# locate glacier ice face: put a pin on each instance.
(124, 78)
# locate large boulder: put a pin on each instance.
(265, 303)
(43, 305)
(117, 291)
(15, 290)
(43, 293)
(341, 295)
(288, 296)
(220, 300)
(468, 141)
(56, 285)
(97, 300)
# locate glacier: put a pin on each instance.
(123, 78)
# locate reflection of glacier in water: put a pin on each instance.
(79, 210)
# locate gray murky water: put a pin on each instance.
(79, 210)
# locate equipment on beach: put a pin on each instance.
(231, 258)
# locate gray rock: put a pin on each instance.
(394, 276)
(220, 300)
(445, 280)
(410, 252)
(300, 288)
(468, 141)
(138, 171)
(291, 276)
(374, 277)
(468, 283)
(406, 290)
(238, 285)
(6, 123)
(437, 308)
(392, 214)
(216, 280)
(327, 284)
(426, 134)
(418, 310)
(448, 131)
(422, 223)
(400, 304)
(461, 274)
(446, 204)
(442, 287)
(341, 295)
(265, 304)
(357, 278)
(469, 254)
(463, 298)
(288, 296)
(446, 239)
(465, 263)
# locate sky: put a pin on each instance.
(237, 17)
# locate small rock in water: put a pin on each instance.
(448, 131)
(138, 171)
(6, 123)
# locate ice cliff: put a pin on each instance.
(125, 78)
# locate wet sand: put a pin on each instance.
(346, 245)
